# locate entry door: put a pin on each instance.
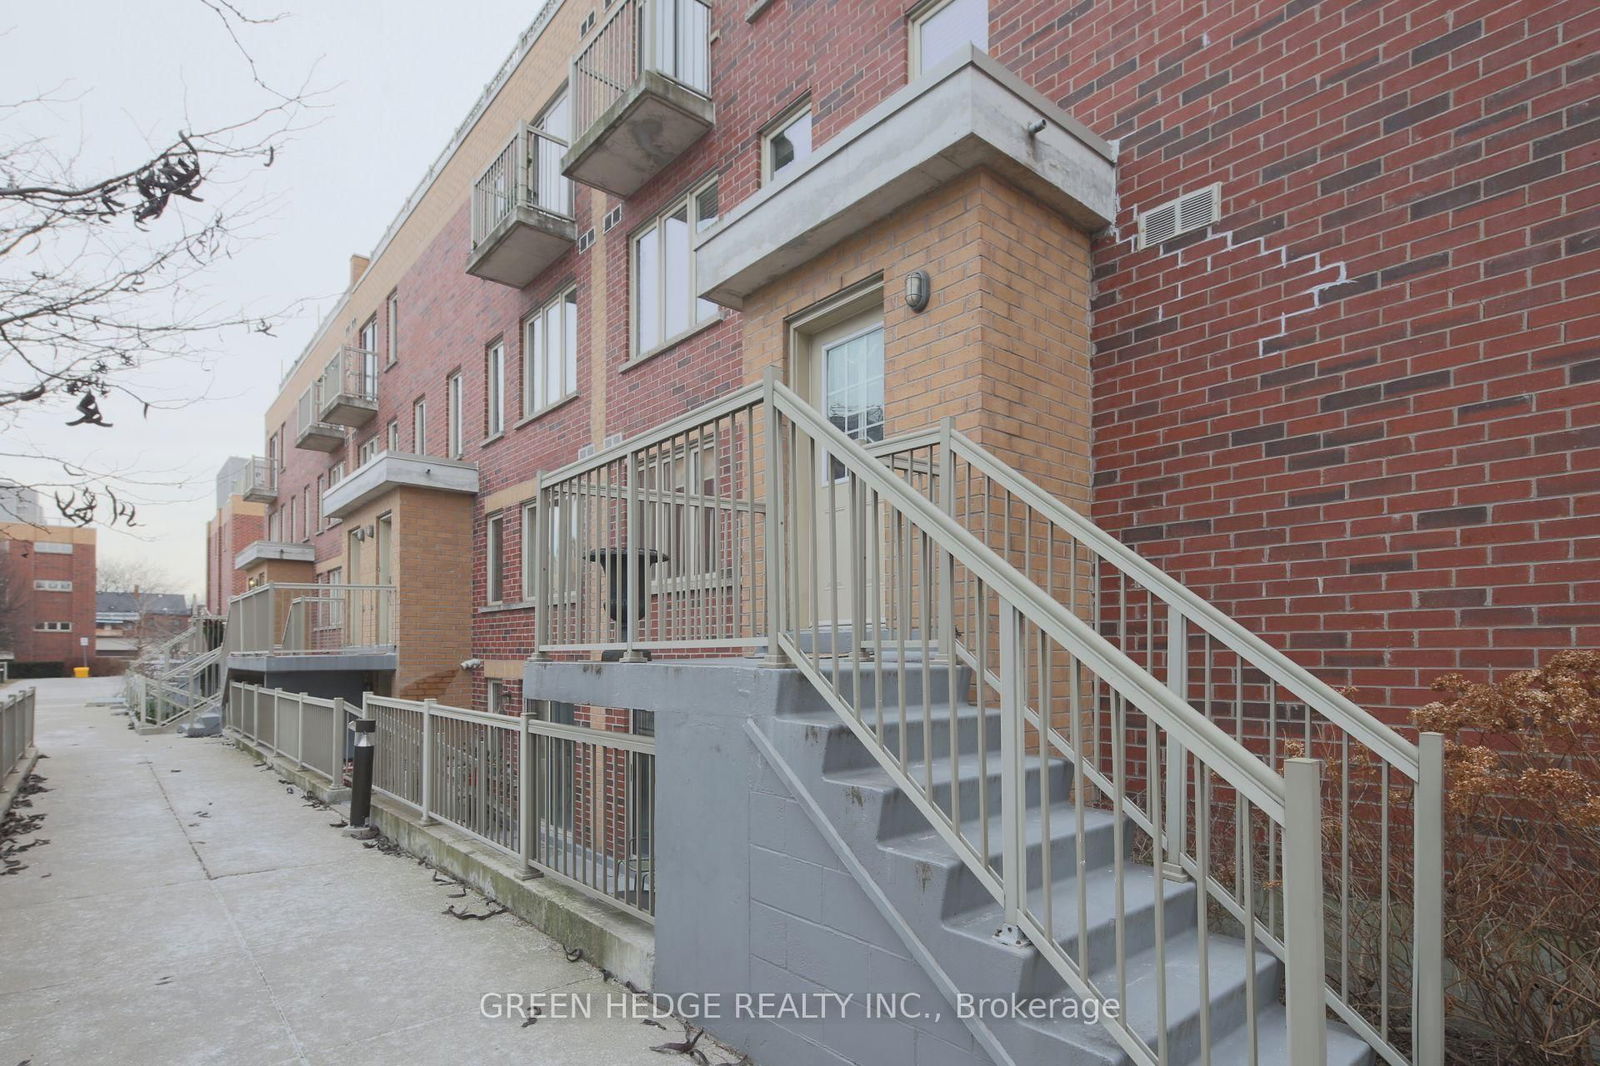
(847, 387)
(385, 534)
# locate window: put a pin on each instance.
(787, 142)
(52, 586)
(550, 354)
(530, 540)
(368, 449)
(551, 711)
(686, 528)
(321, 523)
(368, 342)
(419, 427)
(52, 627)
(392, 324)
(664, 304)
(941, 27)
(452, 393)
(499, 698)
(391, 435)
(275, 524)
(335, 475)
(495, 556)
(552, 191)
(494, 378)
(288, 526)
(305, 513)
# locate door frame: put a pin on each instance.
(804, 330)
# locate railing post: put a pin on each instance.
(945, 498)
(524, 796)
(1427, 969)
(336, 756)
(1013, 776)
(632, 564)
(538, 553)
(1177, 798)
(774, 522)
(300, 731)
(427, 761)
(1303, 929)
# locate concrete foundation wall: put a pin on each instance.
(753, 900)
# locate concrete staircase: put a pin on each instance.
(912, 870)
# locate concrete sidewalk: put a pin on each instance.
(188, 908)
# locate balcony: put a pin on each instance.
(266, 551)
(642, 93)
(258, 481)
(338, 626)
(387, 471)
(348, 389)
(521, 211)
(315, 434)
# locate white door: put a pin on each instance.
(847, 387)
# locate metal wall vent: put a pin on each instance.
(1191, 211)
(613, 216)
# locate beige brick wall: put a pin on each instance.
(1003, 346)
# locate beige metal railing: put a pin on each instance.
(16, 730)
(670, 37)
(576, 803)
(526, 173)
(312, 731)
(161, 698)
(311, 619)
(1270, 705)
(1090, 723)
(351, 376)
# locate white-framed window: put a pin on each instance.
(787, 142)
(495, 559)
(305, 513)
(52, 627)
(494, 378)
(552, 191)
(321, 519)
(495, 696)
(550, 354)
(391, 314)
(52, 586)
(454, 445)
(368, 449)
(336, 474)
(391, 435)
(419, 426)
(52, 547)
(368, 342)
(940, 27)
(530, 541)
(288, 525)
(664, 303)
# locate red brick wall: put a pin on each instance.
(229, 533)
(1360, 413)
(24, 565)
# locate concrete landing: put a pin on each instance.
(190, 909)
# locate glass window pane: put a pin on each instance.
(554, 387)
(647, 290)
(951, 26)
(790, 145)
(676, 256)
(570, 348)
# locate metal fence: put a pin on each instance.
(670, 37)
(575, 803)
(311, 619)
(526, 173)
(351, 377)
(16, 729)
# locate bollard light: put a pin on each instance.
(361, 772)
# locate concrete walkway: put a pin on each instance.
(189, 909)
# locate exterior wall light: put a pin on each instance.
(917, 289)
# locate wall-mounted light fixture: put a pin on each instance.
(918, 287)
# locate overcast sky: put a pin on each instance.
(399, 76)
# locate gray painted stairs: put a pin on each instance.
(913, 870)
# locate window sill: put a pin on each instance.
(670, 343)
(501, 608)
(491, 439)
(541, 412)
(390, 365)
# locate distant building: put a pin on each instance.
(47, 580)
(241, 520)
(127, 622)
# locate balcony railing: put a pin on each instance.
(313, 432)
(312, 619)
(656, 54)
(348, 388)
(258, 480)
(522, 210)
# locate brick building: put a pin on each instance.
(1299, 300)
(239, 522)
(48, 590)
